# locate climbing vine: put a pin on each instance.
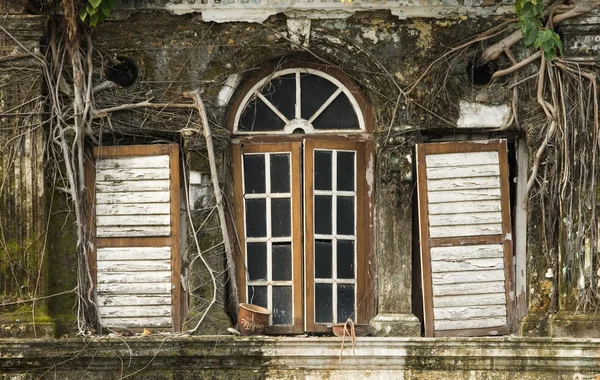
(531, 14)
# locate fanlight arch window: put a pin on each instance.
(299, 100)
(302, 198)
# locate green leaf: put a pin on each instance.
(545, 35)
(91, 10)
(83, 14)
(560, 46)
(94, 19)
(94, 3)
(106, 10)
(549, 55)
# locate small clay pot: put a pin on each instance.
(252, 319)
(359, 329)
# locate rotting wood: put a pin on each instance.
(469, 300)
(134, 253)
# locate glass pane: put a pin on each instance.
(345, 171)
(254, 173)
(257, 295)
(339, 115)
(282, 305)
(345, 259)
(280, 173)
(281, 217)
(259, 117)
(282, 261)
(256, 215)
(322, 170)
(323, 303)
(345, 308)
(323, 258)
(315, 91)
(256, 254)
(281, 91)
(323, 214)
(345, 215)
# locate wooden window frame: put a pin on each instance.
(361, 228)
(505, 238)
(172, 150)
(302, 211)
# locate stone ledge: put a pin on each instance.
(276, 357)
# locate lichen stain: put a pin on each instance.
(424, 32)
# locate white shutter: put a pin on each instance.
(466, 247)
(136, 207)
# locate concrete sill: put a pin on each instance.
(281, 356)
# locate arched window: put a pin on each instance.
(301, 152)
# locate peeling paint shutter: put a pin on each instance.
(466, 247)
(137, 238)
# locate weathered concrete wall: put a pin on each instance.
(23, 259)
(229, 357)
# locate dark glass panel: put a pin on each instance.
(256, 217)
(323, 258)
(254, 173)
(281, 217)
(257, 295)
(280, 173)
(345, 215)
(315, 91)
(323, 303)
(345, 171)
(345, 309)
(282, 305)
(282, 261)
(281, 91)
(257, 116)
(256, 254)
(322, 168)
(339, 115)
(345, 259)
(323, 214)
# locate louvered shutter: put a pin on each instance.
(136, 192)
(465, 233)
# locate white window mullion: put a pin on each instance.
(269, 235)
(334, 231)
(298, 112)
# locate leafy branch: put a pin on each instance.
(530, 14)
(93, 12)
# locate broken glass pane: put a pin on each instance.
(281, 217)
(282, 305)
(282, 261)
(323, 303)
(256, 217)
(256, 254)
(280, 173)
(345, 171)
(254, 173)
(345, 307)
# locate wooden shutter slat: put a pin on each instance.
(134, 253)
(138, 322)
(462, 207)
(139, 162)
(133, 197)
(463, 171)
(135, 300)
(129, 174)
(133, 277)
(467, 276)
(469, 300)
